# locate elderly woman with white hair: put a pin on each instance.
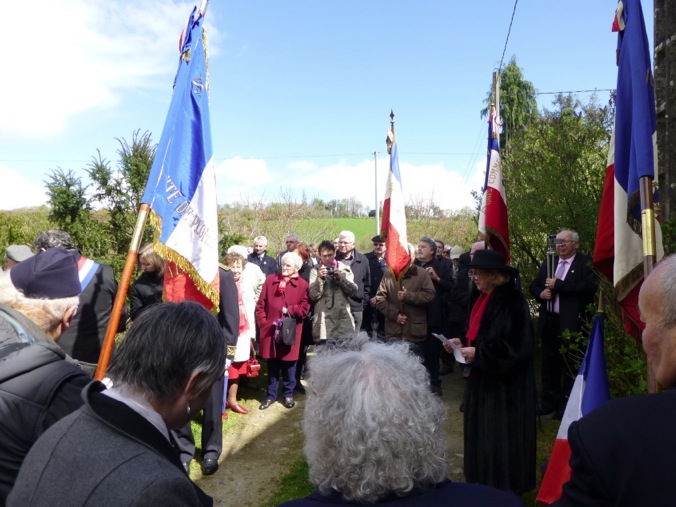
(284, 294)
(374, 435)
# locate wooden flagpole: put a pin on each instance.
(123, 288)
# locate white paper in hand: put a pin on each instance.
(456, 350)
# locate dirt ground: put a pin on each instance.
(259, 447)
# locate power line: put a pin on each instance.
(578, 91)
(502, 58)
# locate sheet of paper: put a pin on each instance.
(456, 350)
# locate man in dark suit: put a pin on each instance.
(623, 451)
(260, 256)
(212, 424)
(84, 338)
(373, 320)
(563, 297)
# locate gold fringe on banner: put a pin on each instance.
(182, 263)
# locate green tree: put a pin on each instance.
(518, 102)
(554, 175)
(120, 191)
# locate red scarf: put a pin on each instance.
(283, 281)
(475, 317)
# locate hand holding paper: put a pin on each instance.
(457, 354)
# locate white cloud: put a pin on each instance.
(247, 180)
(19, 192)
(69, 56)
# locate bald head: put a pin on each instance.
(657, 303)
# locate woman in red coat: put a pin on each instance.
(283, 294)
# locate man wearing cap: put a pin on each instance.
(373, 320)
(14, 254)
(83, 339)
(39, 383)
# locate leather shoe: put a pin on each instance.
(209, 466)
(186, 467)
(289, 403)
(300, 388)
(236, 408)
(266, 404)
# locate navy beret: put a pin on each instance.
(51, 274)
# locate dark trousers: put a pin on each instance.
(284, 371)
(357, 316)
(432, 355)
(212, 428)
(557, 379)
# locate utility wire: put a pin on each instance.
(502, 58)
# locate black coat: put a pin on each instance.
(146, 291)
(623, 454)
(575, 293)
(499, 414)
(267, 264)
(437, 311)
(362, 277)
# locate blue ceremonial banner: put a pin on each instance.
(635, 113)
(181, 189)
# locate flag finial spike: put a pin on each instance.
(390, 133)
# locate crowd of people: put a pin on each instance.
(373, 419)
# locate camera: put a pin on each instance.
(330, 270)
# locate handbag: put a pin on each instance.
(252, 365)
(288, 331)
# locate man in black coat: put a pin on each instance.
(260, 256)
(212, 423)
(441, 273)
(563, 297)
(373, 319)
(623, 451)
(359, 265)
(84, 338)
(39, 384)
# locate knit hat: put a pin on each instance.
(18, 253)
(456, 251)
(51, 274)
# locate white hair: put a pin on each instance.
(347, 236)
(293, 256)
(44, 313)
(372, 426)
(261, 239)
(239, 249)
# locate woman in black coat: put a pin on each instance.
(147, 289)
(499, 412)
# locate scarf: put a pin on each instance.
(281, 288)
(243, 321)
(475, 317)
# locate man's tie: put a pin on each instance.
(560, 271)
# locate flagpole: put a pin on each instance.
(375, 163)
(649, 248)
(123, 288)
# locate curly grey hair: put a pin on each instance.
(372, 427)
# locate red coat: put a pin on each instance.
(269, 308)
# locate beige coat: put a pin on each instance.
(419, 294)
(332, 317)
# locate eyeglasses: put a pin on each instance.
(473, 274)
(562, 241)
(378, 244)
(345, 242)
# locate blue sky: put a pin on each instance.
(301, 90)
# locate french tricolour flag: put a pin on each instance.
(589, 391)
(493, 223)
(393, 225)
(181, 189)
(618, 252)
